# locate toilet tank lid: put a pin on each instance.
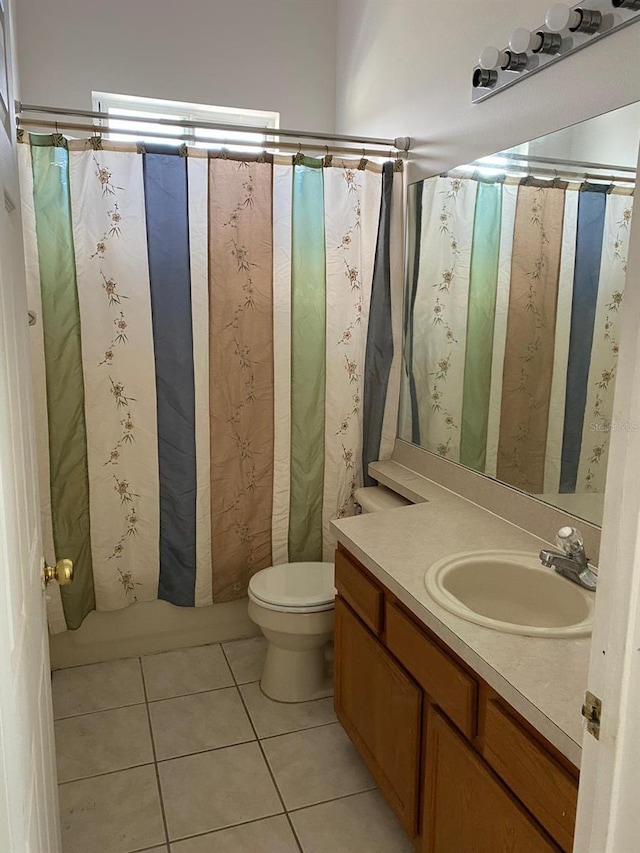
(295, 584)
(375, 498)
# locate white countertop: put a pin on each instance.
(543, 679)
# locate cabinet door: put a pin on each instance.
(466, 808)
(380, 708)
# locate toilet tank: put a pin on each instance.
(376, 498)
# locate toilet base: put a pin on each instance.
(295, 676)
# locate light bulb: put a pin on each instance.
(522, 40)
(561, 17)
(491, 59)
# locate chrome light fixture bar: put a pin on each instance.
(567, 29)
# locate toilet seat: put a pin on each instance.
(294, 587)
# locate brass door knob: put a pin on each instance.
(61, 572)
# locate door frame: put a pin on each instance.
(608, 817)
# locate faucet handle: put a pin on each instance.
(570, 540)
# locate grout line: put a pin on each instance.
(98, 711)
(192, 693)
(264, 758)
(155, 756)
(207, 749)
(95, 663)
(299, 731)
(334, 799)
(223, 828)
(107, 773)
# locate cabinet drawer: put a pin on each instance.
(533, 774)
(360, 592)
(446, 683)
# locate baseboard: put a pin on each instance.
(148, 627)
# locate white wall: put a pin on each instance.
(255, 54)
(404, 68)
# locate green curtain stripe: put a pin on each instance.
(483, 286)
(308, 349)
(65, 386)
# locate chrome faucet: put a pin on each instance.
(573, 563)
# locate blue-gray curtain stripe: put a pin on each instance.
(409, 316)
(591, 214)
(379, 351)
(166, 203)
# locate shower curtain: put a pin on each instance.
(513, 306)
(211, 330)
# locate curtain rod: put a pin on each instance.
(552, 173)
(95, 130)
(554, 161)
(402, 143)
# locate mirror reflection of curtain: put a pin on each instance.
(513, 300)
(210, 338)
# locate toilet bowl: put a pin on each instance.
(293, 605)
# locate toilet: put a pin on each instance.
(293, 605)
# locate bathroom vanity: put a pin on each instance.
(472, 735)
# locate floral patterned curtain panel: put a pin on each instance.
(212, 330)
(513, 300)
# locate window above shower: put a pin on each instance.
(125, 109)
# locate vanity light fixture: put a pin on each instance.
(562, 17)
(566, 30)
(523, 41)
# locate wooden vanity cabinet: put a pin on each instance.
(459, 767)
(380, 708)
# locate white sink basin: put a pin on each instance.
(511, 591)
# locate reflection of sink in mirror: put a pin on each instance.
(515, 279)
(511, 591)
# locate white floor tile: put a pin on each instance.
(102, 742)
(117, 813)
(316, 765)
(276, 718)
(272, 835)
(97, 687)
(246, 658)
(212, 790)
(363, 822)
(199, 722)
(185, 671)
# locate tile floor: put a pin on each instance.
(182, 753)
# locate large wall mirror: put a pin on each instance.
(515, 286)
